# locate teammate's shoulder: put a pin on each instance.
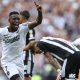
(47, 37)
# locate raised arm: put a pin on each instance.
(39, 17)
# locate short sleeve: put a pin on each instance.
(23, 28)
(42, 46)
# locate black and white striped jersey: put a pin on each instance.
(30, 36)
(59, 48)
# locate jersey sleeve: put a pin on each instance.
(23, 28)
(42, 46)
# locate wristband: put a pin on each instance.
(58, 70)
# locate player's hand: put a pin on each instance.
(58, 77)
(39, 8)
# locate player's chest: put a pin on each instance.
(11, 37)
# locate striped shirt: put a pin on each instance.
(30, 36)
(58, 47)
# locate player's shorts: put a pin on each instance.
(15, 67)
(71, 66)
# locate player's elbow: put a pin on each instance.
(39, 22)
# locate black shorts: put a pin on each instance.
(71, 66)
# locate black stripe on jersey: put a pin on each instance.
(27, 41)
(58, 45)
(28, 35)
(62, 43)
(47, 47)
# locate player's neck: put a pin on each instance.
(12, 29)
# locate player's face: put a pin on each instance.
(14, 19)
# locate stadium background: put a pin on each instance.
(60, 19)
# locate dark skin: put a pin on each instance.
(14, 20)
(33, 24)
(39, 18)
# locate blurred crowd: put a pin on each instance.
(61, 18)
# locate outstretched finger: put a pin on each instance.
(35, 3)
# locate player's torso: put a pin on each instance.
(12, 43)
(59, 47)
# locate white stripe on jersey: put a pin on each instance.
(57, 56)
(58, 44)
(62, 40)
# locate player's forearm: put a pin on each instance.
(58, 64)
(37, 22)
(30, 45)
(52, 61)
(39, 18)
(55, 64)
(27, 47)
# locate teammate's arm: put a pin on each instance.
(55, 64)
(30, 45)
(39, 18)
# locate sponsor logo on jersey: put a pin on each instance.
(72, 76)
(7, 39)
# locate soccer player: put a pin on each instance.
(12, 38)
(28, 60)
(60, 49)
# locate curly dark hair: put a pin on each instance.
(25, 14)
